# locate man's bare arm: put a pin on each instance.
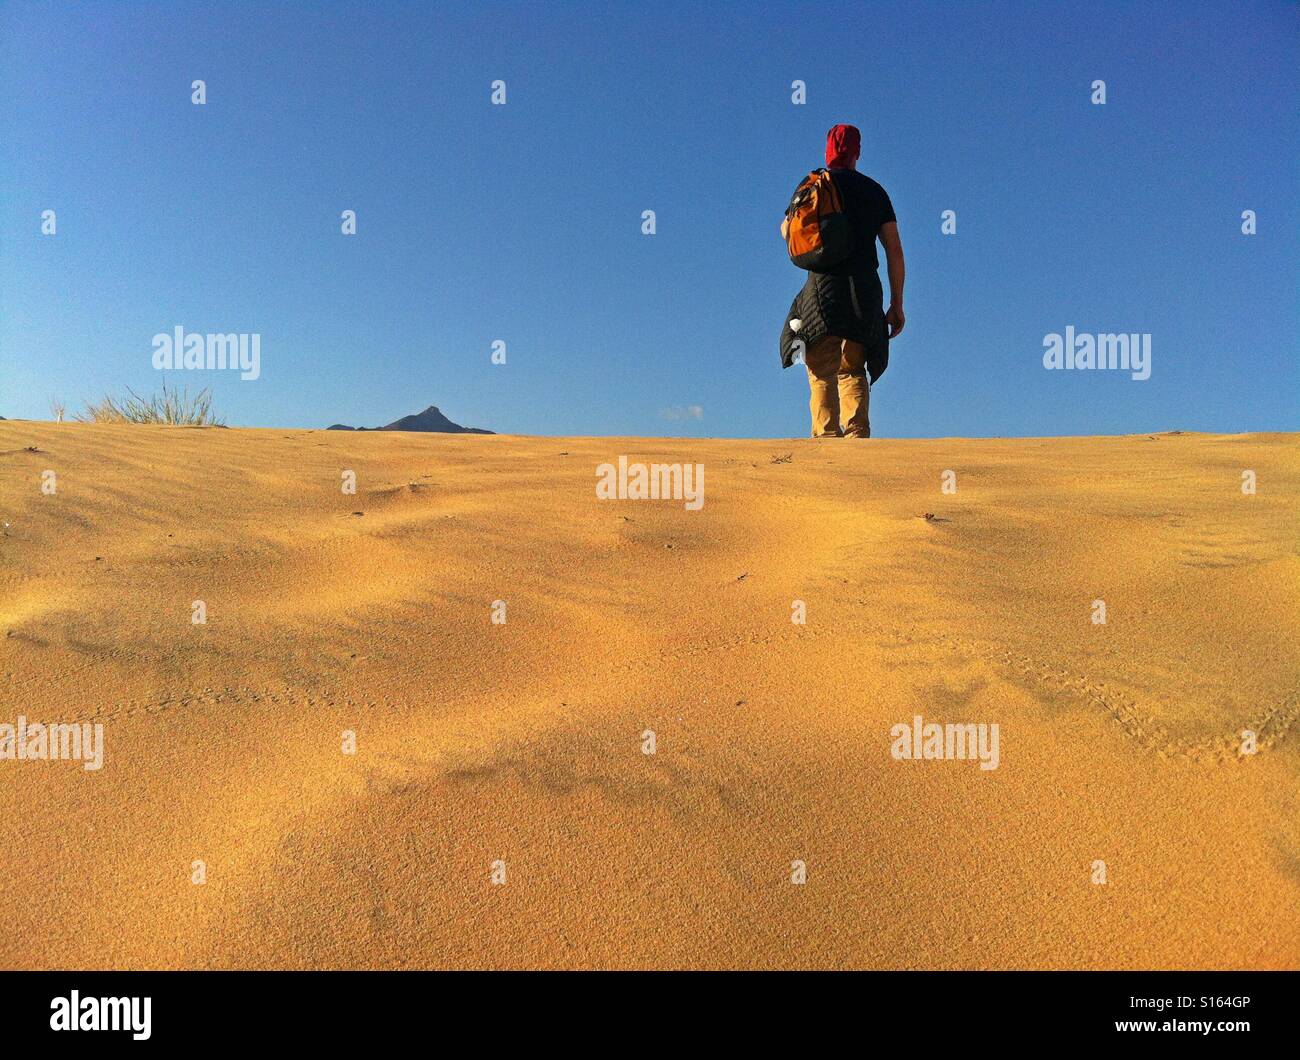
(897, 272)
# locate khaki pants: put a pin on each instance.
(837, 376)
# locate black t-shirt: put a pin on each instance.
(868, 207)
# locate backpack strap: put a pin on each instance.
(837, 203)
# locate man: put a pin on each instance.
(837, 319)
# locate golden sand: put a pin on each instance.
(522, 743)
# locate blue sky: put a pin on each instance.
(522, 223)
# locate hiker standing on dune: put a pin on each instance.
(837, 321)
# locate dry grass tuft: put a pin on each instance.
(171, 407)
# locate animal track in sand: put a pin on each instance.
(1271, 726)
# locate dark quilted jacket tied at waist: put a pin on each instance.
(848, 307)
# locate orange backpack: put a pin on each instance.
(817, 232)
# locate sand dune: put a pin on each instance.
(522, 742)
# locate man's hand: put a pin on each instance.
(895, 319)
(894, 257)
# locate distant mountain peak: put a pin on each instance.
(430, 421)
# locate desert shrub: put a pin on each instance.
(172, 407)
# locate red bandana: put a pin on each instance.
(843, 145)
